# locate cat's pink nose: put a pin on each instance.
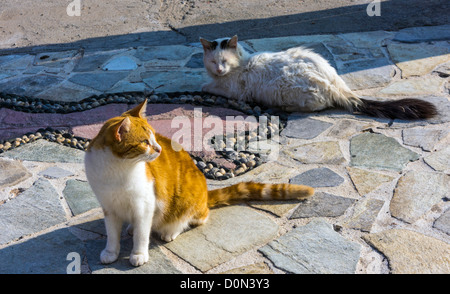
(157, 148)
(219, 70)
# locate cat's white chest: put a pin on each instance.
(121, 186)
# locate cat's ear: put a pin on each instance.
(138, 111)
(207, 45)
(123, 128)
(232, 43)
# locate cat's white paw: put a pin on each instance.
(169, 237)
(108, 256)
(206, 87)
(138, 259)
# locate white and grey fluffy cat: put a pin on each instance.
(297, 79)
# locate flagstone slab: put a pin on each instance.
(278, 208)
(67, 92)
(229, 232)
(366, 181)
(318, 177)
(125, 86)
(32, 211)
(175, 81)
(54, 59)
(313, 249)
(418, 59)
(415, 87)
(423, 34)
(304, 128)
(29, 85)
(17, 62)
(443, 222)
(322, 204)
(102, 81)
(5, 59)
(55, 172)
(439, 160)
(367, 73)
(12, 173)
(345, 128)
(157, 263)
(410, 252)
(256, 268)
(120, 63)
(423, 138)
(44, 254)
(369, 40)
(378, 151)
(364, 214)
(327, 152)
(80, 196)
(45, 151)
(196, 61)
(92, 61)
(417, 192)
(284, 43)
(164, 53)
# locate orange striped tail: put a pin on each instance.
(257, 191)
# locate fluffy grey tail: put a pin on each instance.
(407, 109)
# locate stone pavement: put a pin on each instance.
(382, 186)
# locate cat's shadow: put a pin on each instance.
(157, 260)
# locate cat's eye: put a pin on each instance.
(146, 142)
(213, 62)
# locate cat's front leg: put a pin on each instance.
(113, 226)
(212, 88)
(141, 239)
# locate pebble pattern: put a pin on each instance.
(243, 160)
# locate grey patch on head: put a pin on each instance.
(224, 43)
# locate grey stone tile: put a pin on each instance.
(304, 128)
(328, 152)
(120, 63)
(423, 34)
(55, 172)
(12, 173)
(54, 59)
(80, 196)
(416, 193)
(318, 177)
(364, 214)
(443, 222)
(409, 252)
(29, 85)
(44, 151)
(34, 210)
(379, 152)
(175, 52)
(322, 205)
(367, 73)
(229, 232)
(314, 248)
(44, 254)
(175, 81)
(98, 81)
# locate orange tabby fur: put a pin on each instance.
(179, 186)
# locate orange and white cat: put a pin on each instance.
(140, 179)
